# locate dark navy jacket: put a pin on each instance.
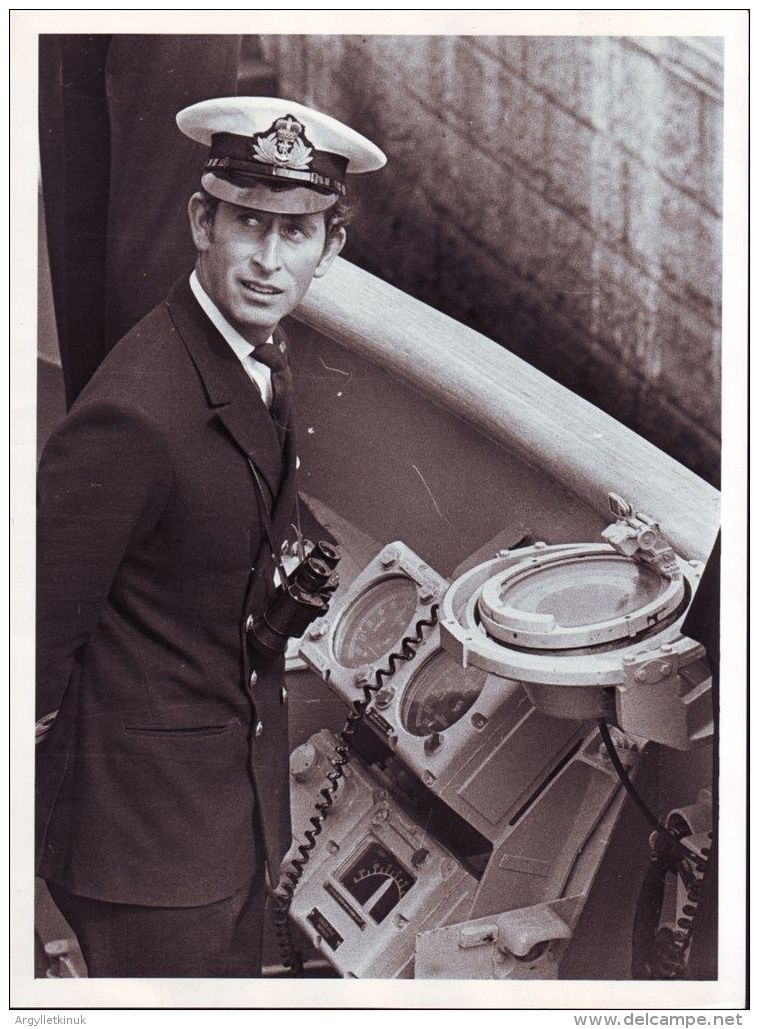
(151, 556)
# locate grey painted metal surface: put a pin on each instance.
(540, 422)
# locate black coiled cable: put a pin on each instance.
(671, 944)
(660, 953)
(285, 891)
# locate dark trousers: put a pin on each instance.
(224, 939)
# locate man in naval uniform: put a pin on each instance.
(162, 787)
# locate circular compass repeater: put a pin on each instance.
(591, 630)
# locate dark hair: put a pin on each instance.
(335, 217)
(212, 205)
(338, 216)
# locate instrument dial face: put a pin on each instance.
(376, 880)
(587, 590)
(376, 621)
(439, 694)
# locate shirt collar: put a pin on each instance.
(237, 342)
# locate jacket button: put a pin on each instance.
(283, 695)
(249, 623)
(258, 729)
(253, 679)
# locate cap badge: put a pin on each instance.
(284, 144)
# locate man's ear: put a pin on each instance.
(200, 223)
(333, 246)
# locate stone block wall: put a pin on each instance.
(561, 195)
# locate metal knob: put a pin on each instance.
(303, 761)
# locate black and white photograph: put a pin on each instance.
(374, 383)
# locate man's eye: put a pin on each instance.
(294, 232)
(250, 219)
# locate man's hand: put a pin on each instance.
(43, 727)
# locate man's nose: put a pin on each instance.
(267, 255)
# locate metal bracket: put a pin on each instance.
(514, 944)
(638, 536)
(666, 695)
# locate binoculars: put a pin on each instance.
(298, 601)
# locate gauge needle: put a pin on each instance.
(387, 885)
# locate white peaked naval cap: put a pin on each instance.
(276, 155)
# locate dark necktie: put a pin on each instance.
(274, 356)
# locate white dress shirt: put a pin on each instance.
(258, 372)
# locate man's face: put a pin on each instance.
(256, 266)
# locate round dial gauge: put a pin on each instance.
(439, 694)
(377, 880)
(376, 621)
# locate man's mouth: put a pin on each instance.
(261, 288)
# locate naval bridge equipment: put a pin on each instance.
(492, 720)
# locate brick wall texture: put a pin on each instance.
(561, 195)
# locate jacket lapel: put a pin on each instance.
(232, 397)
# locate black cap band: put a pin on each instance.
(244, 157)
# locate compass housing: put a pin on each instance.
(590, 633)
